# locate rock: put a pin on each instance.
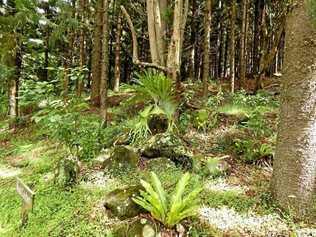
(68, 171)
(169, 146)
(120, 204)
(148, 231)
(100, 159)
(135, 229)
(122, 157)
(162, 163)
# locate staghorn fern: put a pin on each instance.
(168, 211)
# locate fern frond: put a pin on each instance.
(160, 191)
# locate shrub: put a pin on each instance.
(82, 134)
(251, 151)
(157, 90)
(169, 211)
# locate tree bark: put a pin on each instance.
(207, 45)
(82, 47)
(117, 67)
(294, 171)
(153, 42)
(243, 41)
(13, 60)
(232, 45)
(104, 61)
(96, 54)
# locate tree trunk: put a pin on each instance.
(96, 54)
(232, 45)
(82, 47)
(104, 61)
(117, 67)
(243, 41)
(14, 62)
(175, 46)
(207, 45)
(294, 171)
(152, 31)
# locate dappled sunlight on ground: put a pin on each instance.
(6, 172)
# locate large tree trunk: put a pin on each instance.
(207, 44)
(294, 175)
(104, 61)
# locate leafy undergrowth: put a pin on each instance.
(57, 212)
(238, 129)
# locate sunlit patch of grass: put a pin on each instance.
(231, 199)
(56, 212)
(234, 110)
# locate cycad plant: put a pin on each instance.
(169, 210)
(156, 89)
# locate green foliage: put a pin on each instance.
(231, 199)
(212, 166)
(201, 118)
(34, 92)
(155, 89)
(138, 126)
(153, 86)
(235, 110)
(3, 103)
(312, 9)
(83, 135)
(169, 211)
(251, 150)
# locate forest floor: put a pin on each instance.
(235, 204)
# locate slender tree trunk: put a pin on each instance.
(207, 45)
(68, 56)
(232, 45)
(175, 46)
(117, 67)
(152, 31)
(104, 60)
(82, 48)
(193, 36)
(294, 170)
(65, 91)
(243, 41)
(96, 54)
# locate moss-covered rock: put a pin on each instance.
(122, 157)
(136, 228)
(169, 146)
(120, 204)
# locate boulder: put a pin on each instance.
(160, 163)
(169, 146)
(120, 204)
(122, 157)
